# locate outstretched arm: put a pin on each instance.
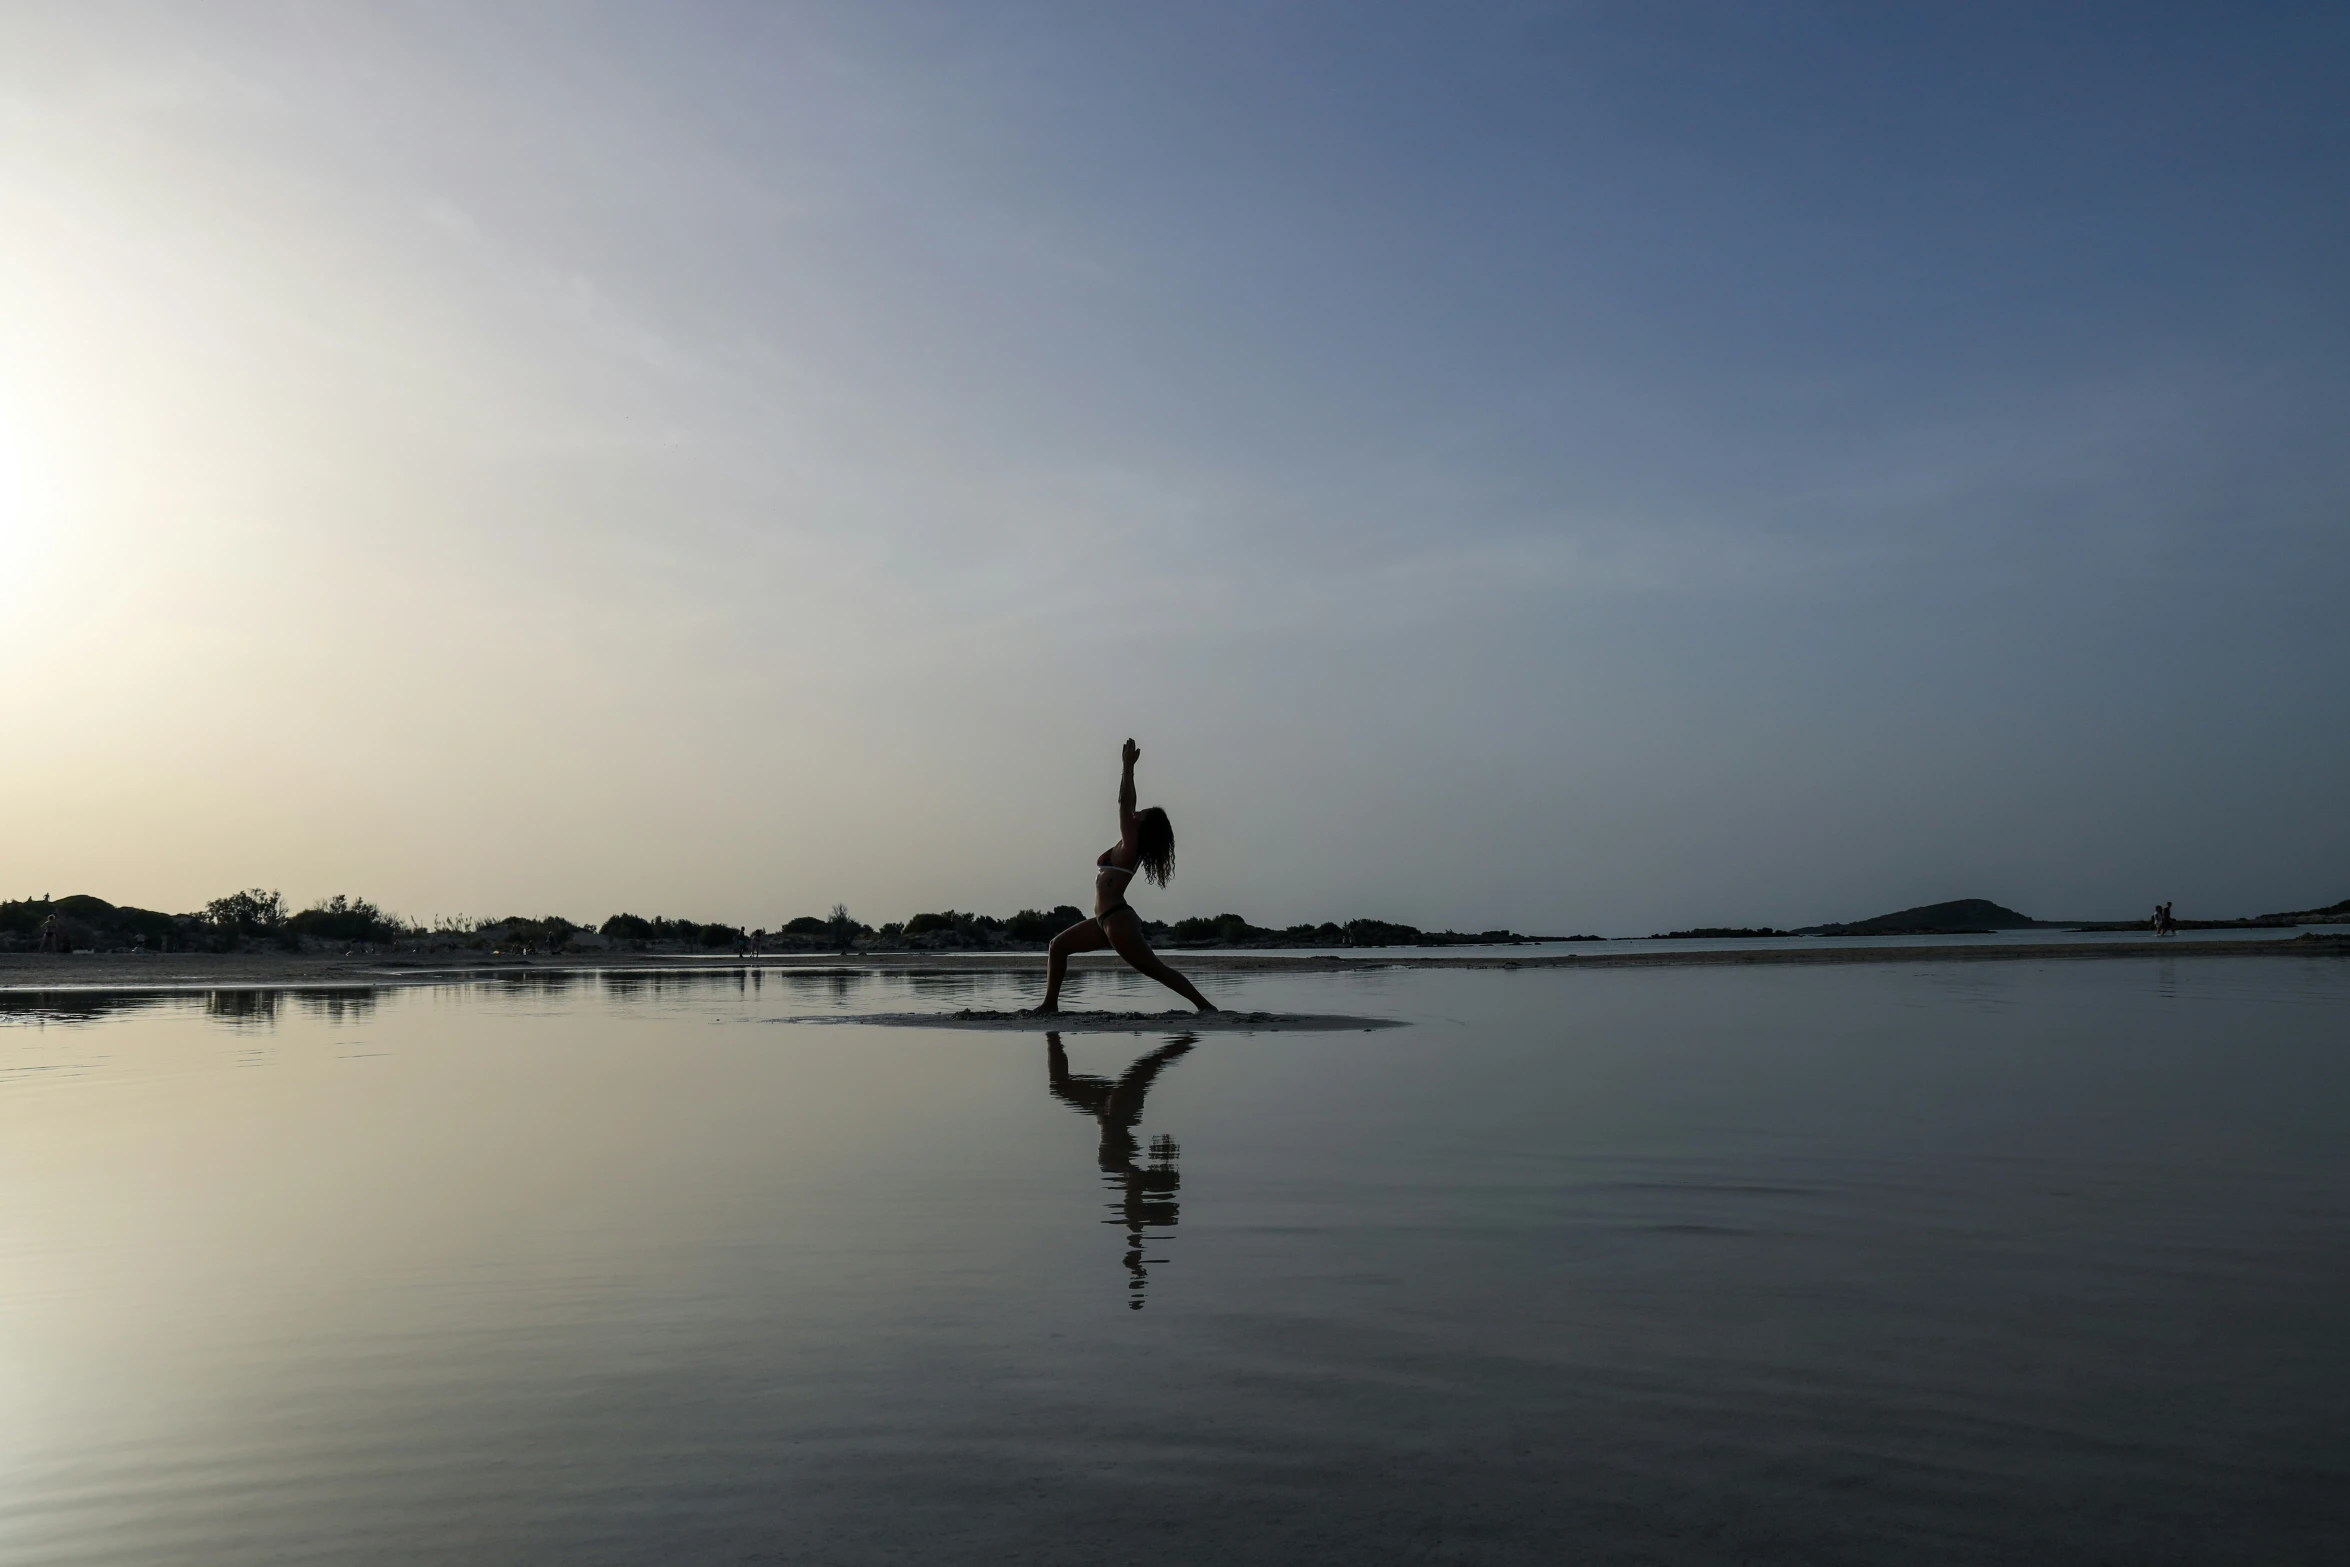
(1130, 756)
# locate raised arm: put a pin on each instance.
(1130, 756)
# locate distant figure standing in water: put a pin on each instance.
(1146, 843)
(2163, 925)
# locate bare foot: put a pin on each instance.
(1041, 1010)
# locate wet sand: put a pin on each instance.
(247, 970)
(1118, 1022)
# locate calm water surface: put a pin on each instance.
(1634, 946)
(1935, 1263)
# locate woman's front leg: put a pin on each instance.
(1084, 936)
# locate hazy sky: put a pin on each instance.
(1585, 466)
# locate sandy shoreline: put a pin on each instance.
(1078, 1022)
(24, 971)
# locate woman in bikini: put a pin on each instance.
(1146, 843)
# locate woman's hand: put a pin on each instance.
(1132, 753)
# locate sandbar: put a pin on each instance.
(1117, 1022)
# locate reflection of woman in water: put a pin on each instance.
(1146, 1195)
(1146, 843)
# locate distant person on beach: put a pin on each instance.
(1146, 843)
(2163, 924)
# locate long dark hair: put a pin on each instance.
(1154, 835)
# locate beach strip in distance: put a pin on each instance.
(24, 971)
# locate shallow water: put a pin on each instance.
(1623, 946)
(1963, 1262)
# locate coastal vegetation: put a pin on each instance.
(1230, 930)
(1718, 930)
(257, 917)
(665, 931)
(2331, 914)
(82, 921)
(260, 918)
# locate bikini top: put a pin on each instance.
(1105, 865)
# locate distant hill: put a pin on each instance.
(1934, 919)
(83, 921)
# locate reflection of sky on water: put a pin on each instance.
(1621, 946)
(563, 1269)
(1000, 983)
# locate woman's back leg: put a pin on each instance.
(1126, 937)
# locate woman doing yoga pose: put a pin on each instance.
(1146, 843)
